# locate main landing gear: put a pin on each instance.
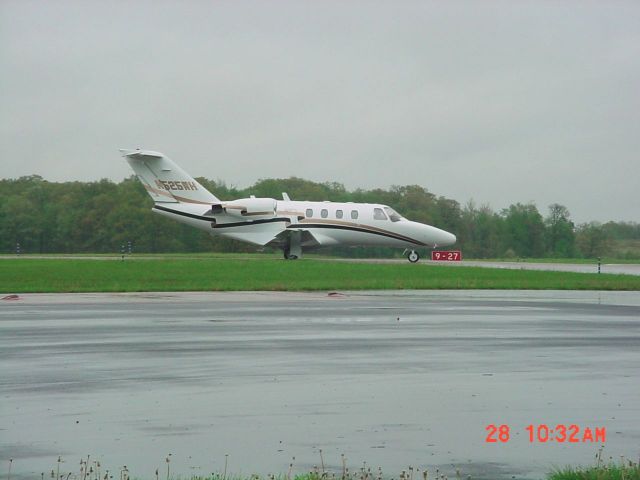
(413, 256)
(288, 255)
(293, 249)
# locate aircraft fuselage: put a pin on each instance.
(286, 224)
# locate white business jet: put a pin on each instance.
(286, 224)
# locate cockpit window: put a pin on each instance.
(393, 215)
(378, 214)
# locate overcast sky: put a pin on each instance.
(499, 102)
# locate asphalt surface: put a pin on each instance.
(614, 268)
(390, 378)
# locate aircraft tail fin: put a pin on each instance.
(164, 180)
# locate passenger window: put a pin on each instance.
(338, 213)
(354, 214)
(378, 214)
(324, 213)
(309, 212)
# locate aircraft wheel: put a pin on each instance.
(413, 256)
(287, 254)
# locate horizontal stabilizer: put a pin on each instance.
(140, 154)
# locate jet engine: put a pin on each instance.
(248, 207)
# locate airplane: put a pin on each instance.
(286, 224)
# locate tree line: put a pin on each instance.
(100, 217)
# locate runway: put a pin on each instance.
(393, 378)
(613, 268)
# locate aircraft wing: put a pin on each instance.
(320, 239)
(259, 238)
(311, 239)
(279, 238)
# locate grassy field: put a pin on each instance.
(267, 272)
(314, 255)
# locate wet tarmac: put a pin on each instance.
(390, 378)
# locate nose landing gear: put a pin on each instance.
(413, 256)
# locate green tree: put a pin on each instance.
(560, 236)
(623, 230)
(593, 240)
(447, 214)
(524, 230)
(18, 224)
(101, 216)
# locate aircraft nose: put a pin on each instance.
(438, 237)
(447, 238)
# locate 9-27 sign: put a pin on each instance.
(446, 255)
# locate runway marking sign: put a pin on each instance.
(446, 255)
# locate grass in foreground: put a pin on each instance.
(90, 469)
(630, 471)
(625, 470)
(26, 275)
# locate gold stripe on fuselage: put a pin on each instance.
(360, 226)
